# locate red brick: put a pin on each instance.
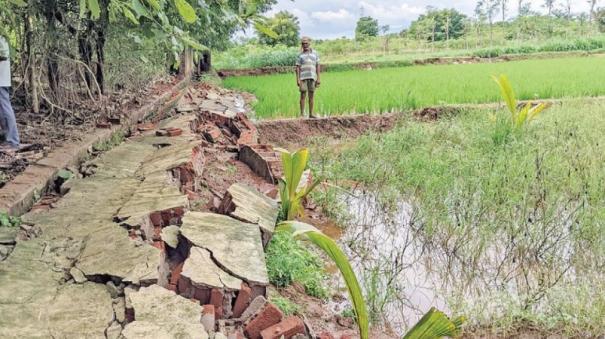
(243, 300)
(212, 133)
(103, 125)
(172, 287)
(174, 132)
(269, 316)
(216, 299)
(286, 328)
(159, 245)
(346, 336)
(178, 212)
(156, 219)
(325, 335)
(176, 273)
(146, 126)
(202, 294)
(184, 285)
(166, 216)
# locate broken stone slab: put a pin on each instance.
(236, 246)
(8, 235)
(159, 312)
(173, 156)
(91, 203)
(203, 272)
(156, 193)
(250, 205)
(170, 235)
(125, 260)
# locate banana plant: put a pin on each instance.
(329, 246)
(435, 324)
(290, 191)
(519, 116)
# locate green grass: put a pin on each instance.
(396, 89)
(289, 262)
(539, 198)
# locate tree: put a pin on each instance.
(599, 18)
(504, 8)
(487, 9)
(549, 5)
(593, 4)
(446, 24)
(366, 27)
(285, 25)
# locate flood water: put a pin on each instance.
(404, 274)
(388, 259)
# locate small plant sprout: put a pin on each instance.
(291, 191)
(519, 117)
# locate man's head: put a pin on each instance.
(305, 43)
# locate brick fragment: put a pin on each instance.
(216, 299)
(172, 287)
(176, 273)
(286, 328)
(325, 335)
(103, 124)
(212, 133)
(208, 317)
(159, 244)
(269, 316)
(174, 132)
(156, 219)
(242, 301)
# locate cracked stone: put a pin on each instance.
(8, 235)
(113, 331)
(164, 314)
(236, 246)
(254, 207)
(119, 309)
(203, 272)
(170, 235)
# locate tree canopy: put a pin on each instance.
(439, 25)
(286, 28)
(366, 27)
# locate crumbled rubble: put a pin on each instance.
(123, 254)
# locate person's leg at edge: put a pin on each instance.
(8, 117)
(303, 96)
(311, 103)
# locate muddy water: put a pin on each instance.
(388, 259)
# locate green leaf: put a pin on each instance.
(83, 8)
(139, 9)
(186, 11)
(95, 10)
(129, 15)
(65, 174)
(155, 4)
(4, 220)
(192, 43)
(435, 324)
(299, 229)
(507, 92)
(19, 3)
(261, 27)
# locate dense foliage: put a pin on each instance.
(366, 27)
(285, 25)
(439, 25)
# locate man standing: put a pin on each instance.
(307, 75)
(7, 115)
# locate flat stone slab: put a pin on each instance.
(254, 207)
(160, 313)
(111, 252)
(202, 271)
(8, 235)
(34, 303)
(156, 193)
(90, 202)
(124, 160)
(235, 245)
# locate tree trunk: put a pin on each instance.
(101, 39)
(52, 65)
(31, 69)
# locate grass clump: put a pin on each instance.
(286, 306)
(288, 262)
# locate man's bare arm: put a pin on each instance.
(318, 70)
(298, 75)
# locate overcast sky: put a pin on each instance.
(322, 19)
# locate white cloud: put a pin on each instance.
(391, 13)
(330, 16)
